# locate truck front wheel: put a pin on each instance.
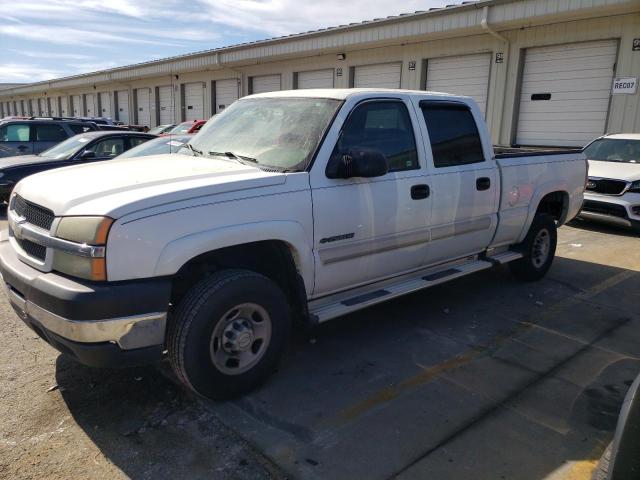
(538, 248)
(228, 333)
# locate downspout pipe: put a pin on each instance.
(484, 23)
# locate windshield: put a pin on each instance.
(182, 127)
(281, 133)
(160, 129)
(66, 149)
(614, 150)
(157, 146)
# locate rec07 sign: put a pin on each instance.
(626, 85)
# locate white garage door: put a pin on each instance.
(462, 75)
(385, 75)
(33, 107)
(76, 106)
(226, 93)
(105, 104)
(143, 106)
(316, 79)
(265, 83)
(122, 114)
(193, 101)
(90, 105)
(565, 92)
(63, 104)
(165, 104)
(53, 106)
(42, 107)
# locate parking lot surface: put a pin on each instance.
(480, 378)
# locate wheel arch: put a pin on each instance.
(552, 199)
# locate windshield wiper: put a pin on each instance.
(196, 152)
(239, 158)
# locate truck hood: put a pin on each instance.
(616, 170)
(118, 187)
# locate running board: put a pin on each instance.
(338, 304)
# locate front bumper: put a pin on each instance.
(106, 325)
(621, 210)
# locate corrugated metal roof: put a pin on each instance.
(452, 17)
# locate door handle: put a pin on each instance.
(418, 192)
(483, 183)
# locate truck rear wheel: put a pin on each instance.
(228, 333)
(538, 248)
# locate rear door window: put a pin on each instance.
(50, 133)
(135, 141)
(453, 134)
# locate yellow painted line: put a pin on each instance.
(428, 373)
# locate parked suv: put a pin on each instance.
(24, 137)
(613, 188)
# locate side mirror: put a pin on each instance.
(87, 154)
(364, 163)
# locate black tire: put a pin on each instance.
(601, 471)
(189, 335)
(529, 268)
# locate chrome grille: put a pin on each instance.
(606, 186)
(32, 249)
(32, 213)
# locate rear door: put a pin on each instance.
(464, 180)
(15, 139)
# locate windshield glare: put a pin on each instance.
(614, 150)
(280, 133)
(157, 146)
(66, 149)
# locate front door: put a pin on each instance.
(366, 229)
(15, 139)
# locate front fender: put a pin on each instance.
(178, 252)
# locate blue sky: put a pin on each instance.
(40, 40)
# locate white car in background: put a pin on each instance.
(613, 189)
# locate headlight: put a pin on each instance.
(635, 187)
(84, 231)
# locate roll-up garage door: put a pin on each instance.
(33, 107)
(226, 93)
(63, 103)
(105, 104)
(461, 75)
(143, 106)
(42, 107)
(122, 97)
(90, 105)
(165, 105)
(193, 101)
(564, 96)
(53, 106)
(76, 106)
(265, 83)
(316, 79)
(384, 75)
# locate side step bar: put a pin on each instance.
(339, 304)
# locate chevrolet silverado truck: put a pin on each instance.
(288, 208)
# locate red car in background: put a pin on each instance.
(185, 128)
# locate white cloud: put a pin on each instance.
(26, 73)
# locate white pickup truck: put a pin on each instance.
(300, 205)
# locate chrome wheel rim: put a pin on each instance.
(240, 338)
(541, 248)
